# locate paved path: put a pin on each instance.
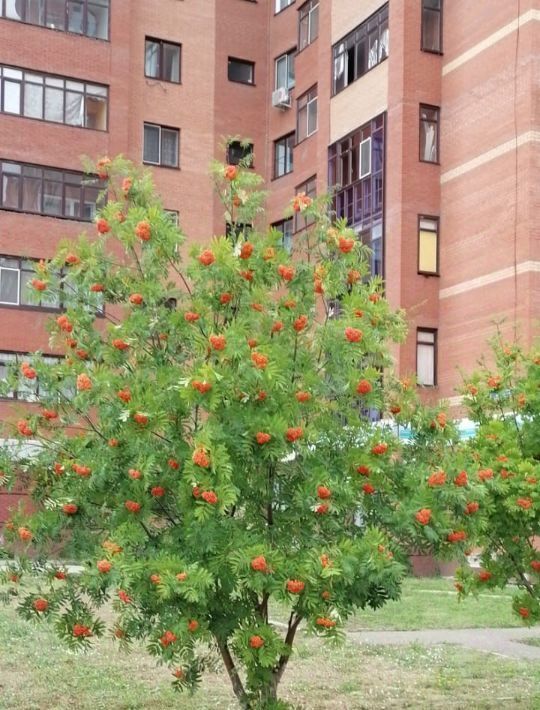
(503, 642)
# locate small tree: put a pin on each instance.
(206, 441)
(482, 495)
(504, 456)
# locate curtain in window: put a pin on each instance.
(10, 191)
(54, 104)
(384, 44)
(373, 51)
(33, 100)
(12, 97)
(425, 364)
(151, 144)
(31, 197)
(74, 108)
(429, 142)
(9, 286)
(171, 62)
(169, 148)
(14, 9)
(151, 67)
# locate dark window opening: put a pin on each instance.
(241, 71)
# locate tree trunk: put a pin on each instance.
(233, 675)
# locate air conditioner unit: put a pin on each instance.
(281, 98)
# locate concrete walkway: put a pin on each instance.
(502, 642)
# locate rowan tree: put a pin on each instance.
(206, 441)
(481, 496)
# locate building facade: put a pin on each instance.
(421, 116)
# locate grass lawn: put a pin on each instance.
(433, 604)
(37, 671)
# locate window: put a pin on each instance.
(53, 98)
(283, 155)
(282, 4)
(285, 226)
(174, 216)
(241, 71)
(429, 134)
(361, 50)
(308, 18)
(25, 389)
(306, 116)
(15, 290)
(238, 151)
(47, 191)
(356, 177)
(285, 70)
(162, 60)
(372, 237)
(432, 26)
(428, 245)
(161, 145)
(309, 188)
(84, 17)
(426, 357)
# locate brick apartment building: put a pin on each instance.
(423, 115)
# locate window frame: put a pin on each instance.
(437, 122)
(290, 54)
(435, 333)
(440, 11)
(162, 43)
(174, 216)
(21, 268)
(305, 187)
(307, 10)
(66, 29)
(277, 2)
(278, 226)
(160, 163)
(360, 34)
(437, 233)
(20, 357)
(289, 140)
(96, 184)
(22, 83)
(241, 61)
(300, 108)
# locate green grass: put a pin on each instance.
(37, 671)
(434, 604)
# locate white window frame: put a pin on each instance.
(367, 142)
(161, 128)
(426, 345)
(282, 5)
(18, 272)
(287, 57)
